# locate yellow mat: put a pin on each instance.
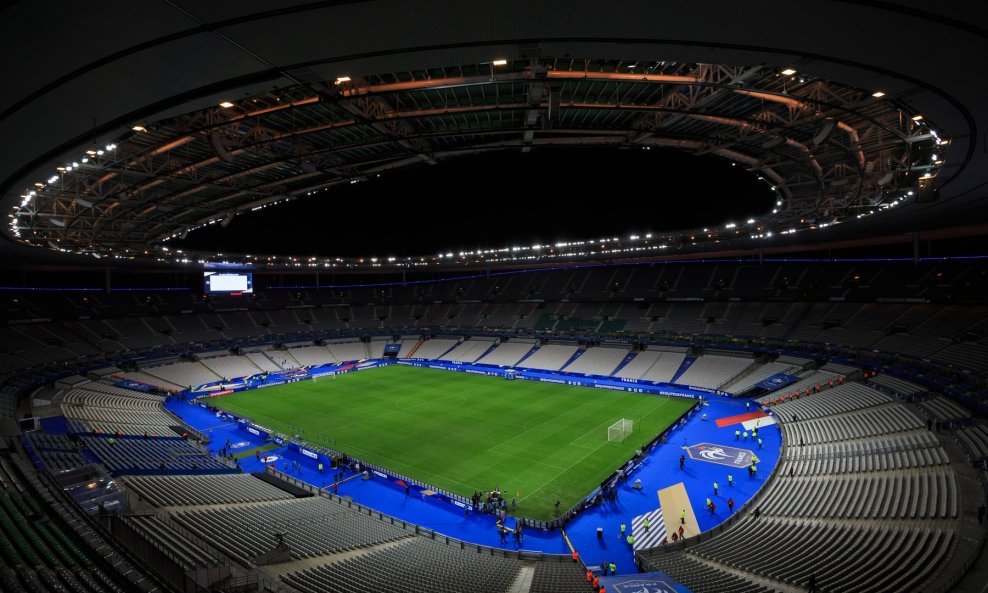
(673, 500)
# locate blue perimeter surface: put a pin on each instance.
(659, 470)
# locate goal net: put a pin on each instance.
(620, 430)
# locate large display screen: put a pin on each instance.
(229, 282)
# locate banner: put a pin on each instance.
(649, 582)
(776, 381)
(721, 454)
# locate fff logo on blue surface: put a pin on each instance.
(721, 454)
(639, 586)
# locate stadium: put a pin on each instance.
(540, 297)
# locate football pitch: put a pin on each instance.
(540, 441)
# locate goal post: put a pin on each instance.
(620, 430)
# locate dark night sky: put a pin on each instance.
(497, 200)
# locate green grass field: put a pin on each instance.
(463, 433)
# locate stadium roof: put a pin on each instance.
(129, 124)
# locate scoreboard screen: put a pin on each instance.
(228, 282)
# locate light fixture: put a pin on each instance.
(226, 104)
(917, 117)
(878, 94)
(342, 79)
(788, 72)
(139, 128)
(500, 62)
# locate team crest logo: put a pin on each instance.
(640, 586)
(721, 454)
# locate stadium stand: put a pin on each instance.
(469, 350)
(148, 379)
(170, 491)
(873, 464)
(913, 449)
(375, 349)
(183, 374)
(57, 452)
(944, 409)
(408, 343)
(857, 424)
(842, 398)
(317, 527)
(795, 361)
(349, 350)
(97, 406)
(507, 353)
(434, 348)
(665, 367)
(557, 577)
(231, 367)
(550, 357)
(35, 540)
(415, 565)
(263, 362)
(598, 361)
(638, 365)
(703, 577)
(808, 380)
(864, 468)
(714, 370)
(896, 386)
(840, 369)
(283, 357)
(313, 355)
(170, 543)
(750, 379)
(965, 355)
(974, 439)
(135, 454)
